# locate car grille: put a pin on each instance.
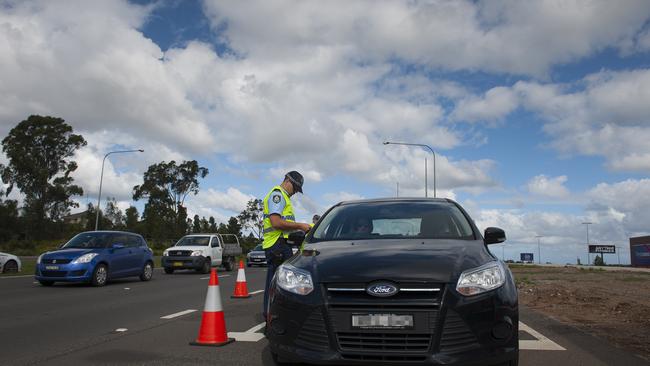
(180, 253)
(396, 345)
(78, 273)
(313, 334)
(56, 261)
(384, 341)
(53, 273)
(456, 336)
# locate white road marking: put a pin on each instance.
(250, 335)
(255, 292)
(120, 330)
(127, 288)
(207, 278)
(541, 343)
(204, 278)
(180, 313)
(3, 277)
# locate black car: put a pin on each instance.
(395, 281)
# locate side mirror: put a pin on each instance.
(117, 246)
(494, 235)
(296, 238)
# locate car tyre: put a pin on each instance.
(10, 267)
(100, 275)
(228, 264)
(207, 264)
(169, 270)
(147, 272)
(46, 283)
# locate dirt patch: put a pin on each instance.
(611, 305)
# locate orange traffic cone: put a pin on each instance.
(213, 326)
(241, 290)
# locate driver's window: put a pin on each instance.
(214, 242)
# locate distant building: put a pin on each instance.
(80, 218)
(640, 251)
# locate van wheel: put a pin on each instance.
(46, 283)
(100, 275)
(207, 264)
(147, 272)
(169, 270)
(228, 264)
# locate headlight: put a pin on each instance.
(38, 260)
(84, 258)
(196, 253)
(294, 280)
(482, 279)
(165, 253)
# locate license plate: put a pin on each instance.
(383, 321)
(52, 267)
(178, 264)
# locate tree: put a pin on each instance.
(205, 225)
(114, 215)
(9, 226)
(233, 227)
(251, 218)
(213, 225)
(196, 224)
(131, 218)
(599, 261)
(39, 151)
(166, 186)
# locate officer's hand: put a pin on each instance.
(305, 227)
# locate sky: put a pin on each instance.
(538, 112)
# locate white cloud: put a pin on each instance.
(231, 200)
(548, 186)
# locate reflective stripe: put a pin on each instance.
(213, 300)
(271, 235)
(241, 276)
(268, 230)
(290, 217)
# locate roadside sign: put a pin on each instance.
(607, 249)
(526, 257)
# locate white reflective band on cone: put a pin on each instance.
(213, 300)
(241, 276)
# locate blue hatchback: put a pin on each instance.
(95, 257)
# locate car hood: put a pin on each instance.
(189, 247)
(397, 260)
(70, 253)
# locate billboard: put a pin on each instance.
(526, 257)
(640, 251)
(607, 249)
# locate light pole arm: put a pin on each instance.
(424, 146)
(101, 181)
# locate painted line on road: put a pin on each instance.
(3, 277)
(542, 343)
(207, 278)
(176, 315)
(250, 335)
(255, 292)
(120, 330)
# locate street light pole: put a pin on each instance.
(101, 181)
(426, 188)
(539, 251)
(588, 256)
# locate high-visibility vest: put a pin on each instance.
(271, 235)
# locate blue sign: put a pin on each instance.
(641, 254)
(526, 257)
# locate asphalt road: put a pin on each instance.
(136, 323)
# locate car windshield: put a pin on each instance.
(195, 241)
(394, 220)
(258, 248)
(92, 240)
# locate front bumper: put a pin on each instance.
(258, 261)
(451, 331)
(81, 272)
(184, 262)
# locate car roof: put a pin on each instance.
(109, 232)
(396, 199)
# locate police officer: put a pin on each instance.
(279, 221)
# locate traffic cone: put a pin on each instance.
(241, 290)
(213, 326)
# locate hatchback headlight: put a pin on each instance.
(196, 253)
(294, 280)
(38, 260)
(165, 253)
(84, 258)
(482, 279)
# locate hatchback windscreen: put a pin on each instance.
(394, 220)
(92, 240)
(258, 248)
(195, 241)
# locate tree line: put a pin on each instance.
(40, 153)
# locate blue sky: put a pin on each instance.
(538, 112)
